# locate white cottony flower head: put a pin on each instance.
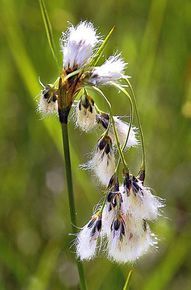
(48, 101)
(87, 239)
(111, 70)
(129, 239)
(86, 114)
(77, 44)
(122, 131)
(140, 202)
(103, 162)
(108, 216)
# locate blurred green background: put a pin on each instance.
(154, 38)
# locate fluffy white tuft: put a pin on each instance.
(77, 44)
(142, 204)
(122, 130)
(111, 70)
(133, 244)
(85, 119)
(47, 108)
(103, 166)
(86, 244)
(107, 219)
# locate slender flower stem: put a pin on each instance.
(66, 148)
(130, 122)
(114, 129)
(140, 128)
(127, 280)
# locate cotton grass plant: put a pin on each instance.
(119, 226)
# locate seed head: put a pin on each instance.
(77, 45)
(86, 113)
(88, 237)
(112, 70)
(48, 100)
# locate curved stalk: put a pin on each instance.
(140, 128)
(66, 148)
(131, 118)
(114, 128)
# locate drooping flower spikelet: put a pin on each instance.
(139, 201)
(109, 210)
(122, 129)
(129, 239)
(112, 70)
(48, 101)
(103, 161)
(78, 44)
(88, 237)
(86, 113)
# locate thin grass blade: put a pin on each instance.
(99, 53)
(126, 286)
(48, 28)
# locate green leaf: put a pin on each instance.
(99, 52)
(48, 28)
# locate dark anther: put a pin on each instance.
(102, 144)
(90, 109)
(54, 98)
(144, 225)
(107, 149)
(135, 186)
(127, 182)
(141, 175)
(90, 224)
(85, 103)
(46, 95)
(134, 179)
(98, 224)
(103, 118)
(93, 231)
(110, 196)
(122, 229)
(116, 186)
(116, 224)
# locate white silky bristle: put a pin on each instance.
(86, 244)
(107, 219)
(47, 108)
(141, 205)
(77, 44)
(122, 130)
(85, 119)
(102, 165)
(134, 244)
(111, 70)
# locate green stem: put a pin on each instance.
(66, 148)
(114, 128)
(140, 127)
(130, 122)
(127, 280)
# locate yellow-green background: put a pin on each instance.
(35, 246)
